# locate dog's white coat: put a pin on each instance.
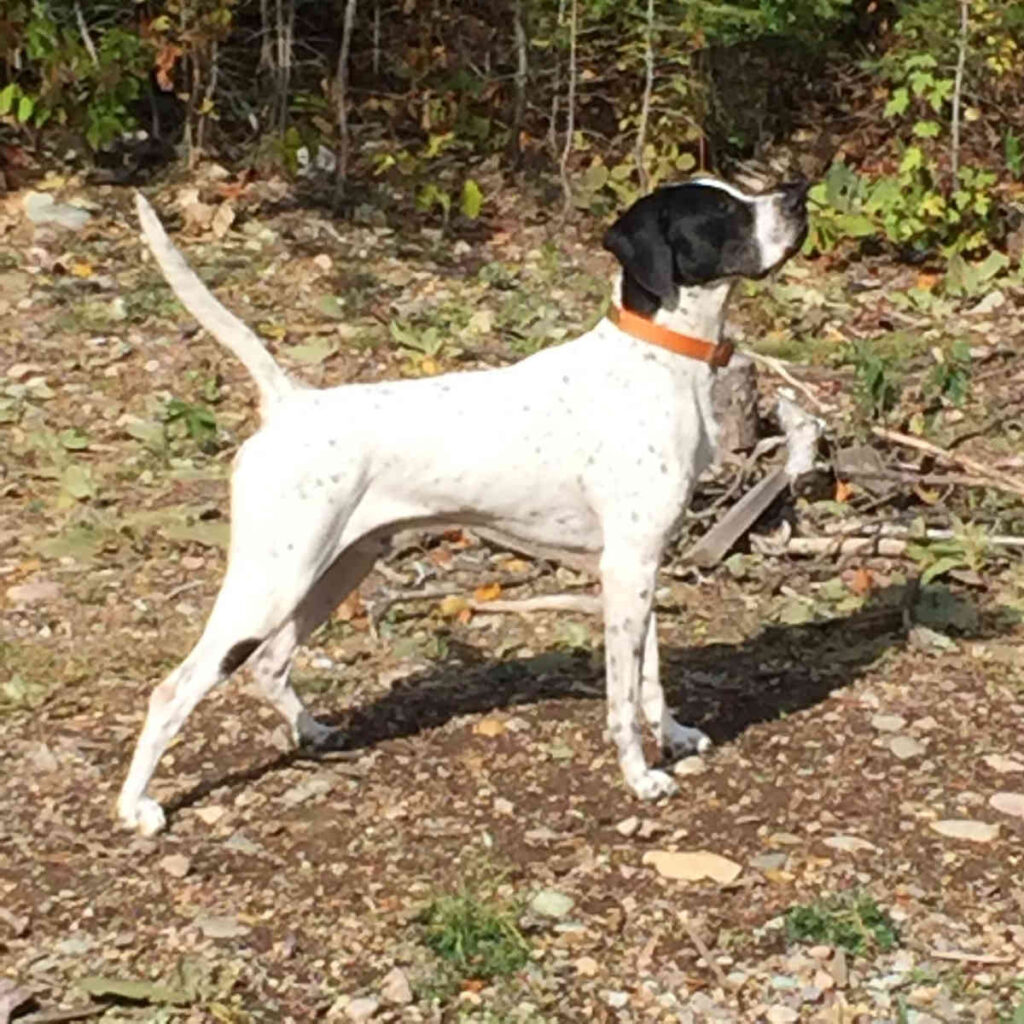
(589, 450)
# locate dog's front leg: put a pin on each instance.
(627, 583)
(676, 740)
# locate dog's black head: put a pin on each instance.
(702, 231)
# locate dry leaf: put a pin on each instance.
(489, 727)
(453, 605)
(351, 608)
(843, 490)
(693, 866)
(488, 592)
(175, 864)
(860, 582)
(81, 270)
(222, 219)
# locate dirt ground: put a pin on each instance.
(854, 718)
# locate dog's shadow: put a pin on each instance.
(723, 688)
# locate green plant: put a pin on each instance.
(966, 549)
(851, 921)
(950, 377)
(878, 383)
(476, 937)
(1013, 152)
(198, 421)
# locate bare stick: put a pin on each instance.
(702, 949)
(961, 59)
(553, 123)
(970, 958)
(1000, 480)
(341, 97)
(570, 117)
(585, 604)
(522, 70)
(878, 544)
(86, 38)
(777, 368)
(645, 107)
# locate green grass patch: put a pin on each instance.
(475, 935)
(852, 921)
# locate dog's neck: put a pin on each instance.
(698, 311)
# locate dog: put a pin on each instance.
(587, 452)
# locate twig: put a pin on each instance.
(927, 479)
(60, 1016)
(875, 544)
(970, 958)
(556, 86)
(86, 38)
(958, 79)
(645, 106)
(702, 949)
(341, 100)
(1002, 481)
(773, 364)
(570, 120)
(585, 604)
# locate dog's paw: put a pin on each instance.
(679, 741)
(653, 784)
(313, 735)
(146, 817)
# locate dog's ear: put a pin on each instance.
(639, 241)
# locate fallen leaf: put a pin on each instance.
(1008, 803)
(693, 866)
(551, 903)
(488, 592)
(844, 491)
(351, 608)
(81, 270)
(587, 966)
(452, 605)
(222, 219)
(222, 927)
(132, 990)
(489, 727)
(1001, 764)
(860, 581)
(905, 747)
(964, 828)
(212, 814)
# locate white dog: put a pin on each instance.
(587, 451)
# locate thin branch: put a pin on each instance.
(570, 118)
(998, 479)
(341, 97)
(376, 38)
(961, 58)
(522, 72)
(86, 38)
(556, 88)
(645, 107)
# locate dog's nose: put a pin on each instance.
(794, 194)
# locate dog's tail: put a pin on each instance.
(273, 383)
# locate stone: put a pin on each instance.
(628, 826)
(395, 987)
(964, 828)
(223, 927)
(694, 865)
(906, 747)
(551, 903)
(888, 723)
(781, 1015)
(1008, 803)
(362, 1008)
(1000, 763)
(175, 864)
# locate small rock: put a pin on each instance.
(925, 724)
(820, 952)
(905, 747)
(849, 844)
(395, 987)
(964, 828)
(769, 861)
(628, 826)
(888, 723)
(503, 806)
(317, 786)
(694, 765)
(222, 927)
(692, 866)
(1008, 803)
(551, 903)
(362, 1008)
(1001, 764)
(587, 966)
(40, 208)
(212, 814)
(35, 592)
(781, 1015)
(616, 1000)
(323, 262)
(824, 980)
(175, 864)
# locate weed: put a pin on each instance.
(853, 922)
(198, 421)
(951, 375)
(476, 936)
(878, 382)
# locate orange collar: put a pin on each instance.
(682, 344)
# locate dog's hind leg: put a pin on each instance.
(675, 740)
(272, 663)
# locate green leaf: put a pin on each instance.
(134, 991)
(330, 307)
(25, 107)
(472, 199)
(926, 129)
(940, 567)
(912, 160)
(7, 97)
(77, 482)
(73, 439)
(312, 352)
(898, 102)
